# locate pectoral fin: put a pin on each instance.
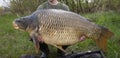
(36, 44)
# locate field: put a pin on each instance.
(14, 43)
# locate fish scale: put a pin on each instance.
(64, 29)
(59, 27)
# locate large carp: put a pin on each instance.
(59, 27)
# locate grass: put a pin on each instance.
(14, 43)
(110, 20)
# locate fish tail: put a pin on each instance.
(106, 33)
(104, 36)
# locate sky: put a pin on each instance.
(2, 3)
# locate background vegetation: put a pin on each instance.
(14, 43)
(1, 11)
(78, 6)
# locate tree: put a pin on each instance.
(23, 7)
(1, 10)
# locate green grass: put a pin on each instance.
(110, 20)
(14, 43)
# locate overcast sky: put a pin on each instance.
(2, 3)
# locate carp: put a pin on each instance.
(59, 28)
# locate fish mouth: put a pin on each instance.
(15, 25)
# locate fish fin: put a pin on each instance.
(102, 41)
(102, 44)
(60, 47)
(36, 44)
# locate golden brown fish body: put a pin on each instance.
(59, 27)
(65, 28)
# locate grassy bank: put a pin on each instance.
(110, 20)
(14, 43)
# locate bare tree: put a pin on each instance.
(23, 7)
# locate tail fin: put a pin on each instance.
(102, 41)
